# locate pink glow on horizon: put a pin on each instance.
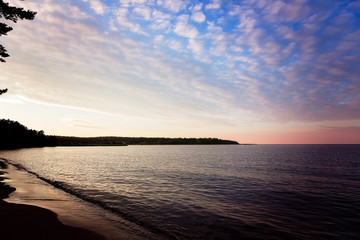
(349, 135)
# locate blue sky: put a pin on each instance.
(252, 71)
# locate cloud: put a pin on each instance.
(341, 129)
(144, 12)
(184, 29)
(247, 21)
(286, 11)
(159, 39)
(122, 20)
(196, 47)
(109, 69)
(220, 40)
(130, 3)
(160, 20)
(355, 5)
(270, 59)
(286, 32)
(302, 63)
(175, 45)
(196, 7)
(160, 15)
(215, 4)
(97, 6)
(198, 17)
(172, 5)
(82, 123)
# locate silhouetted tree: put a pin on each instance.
(13, 14)
(15, 135)
(3, 91)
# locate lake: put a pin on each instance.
(212, 191)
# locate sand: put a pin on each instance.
(20, 221)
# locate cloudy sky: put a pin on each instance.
(254, 71)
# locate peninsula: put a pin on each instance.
(16, 135)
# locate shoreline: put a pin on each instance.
(69, 210)
(22, 221)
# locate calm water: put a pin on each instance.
(214, 192)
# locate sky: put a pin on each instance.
(264, 71)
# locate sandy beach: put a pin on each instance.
(20, 221)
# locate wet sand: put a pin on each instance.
(20, 221)
(37, 210)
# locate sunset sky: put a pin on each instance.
(254, 71)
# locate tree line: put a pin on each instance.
(15, 135)
(116, 141)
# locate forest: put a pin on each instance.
(116, 141)
(15, 135)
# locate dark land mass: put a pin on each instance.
(116, 141)
(15, 135)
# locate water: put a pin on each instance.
(213, 192)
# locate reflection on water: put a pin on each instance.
(216, 192)
(70, 209)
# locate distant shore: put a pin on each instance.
(15, 135)
(124, 141)
(19, 221)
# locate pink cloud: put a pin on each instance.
(286, 11)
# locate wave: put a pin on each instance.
(162, 234)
